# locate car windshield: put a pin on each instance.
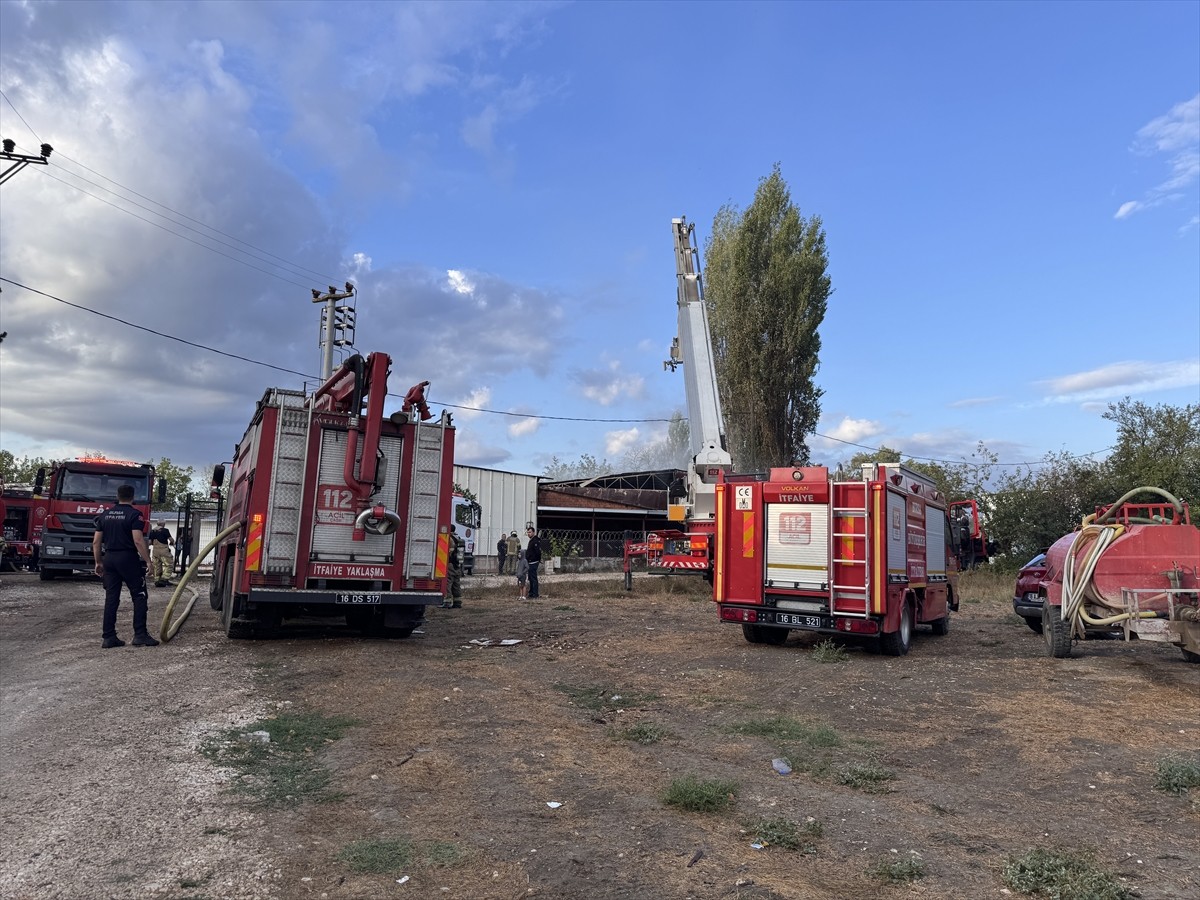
(101, 486)
(1036, 561)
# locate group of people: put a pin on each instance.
(524, 564)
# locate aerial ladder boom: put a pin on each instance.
(692, 348)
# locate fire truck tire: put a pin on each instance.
(896, 643)
(1056, 632)
(941, 626)
(763, 634)
(229, 606)
(46, 574)
(215, 586)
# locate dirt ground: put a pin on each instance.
(995, 750)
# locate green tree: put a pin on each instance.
(1157, 446)
(766, 294)
(22, 470)
(587, 467)
(179, 483)
(671, 452)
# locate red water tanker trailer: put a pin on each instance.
(1132, 567)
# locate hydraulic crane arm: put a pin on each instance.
(692, 348)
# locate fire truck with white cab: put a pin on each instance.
(335, 509)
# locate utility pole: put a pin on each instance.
(337, 322)
(21, 160)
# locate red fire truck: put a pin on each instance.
(24, 518)
(794, 549)
(81, 489)
(335, 509)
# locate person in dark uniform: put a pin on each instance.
(533, 556)
(126, 559)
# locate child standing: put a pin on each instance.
(522, 573)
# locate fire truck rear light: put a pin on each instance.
(858, 626)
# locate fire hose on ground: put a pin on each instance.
(1093, 539)
(169, 629)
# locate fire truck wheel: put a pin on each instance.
(1056, 632)
(215, 585)
(46, 574)
(229, 606)
(896, 643)
(763, 634)
(941, 626)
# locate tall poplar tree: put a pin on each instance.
(766, 290)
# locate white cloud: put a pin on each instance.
(605, 386)
(1176, 136)
(469, 450)
(1121, 378)
(509, 105)
(970, 402)
(524, 427)
(469, 406)
(199, 126)
(853, 430)
(616, 443)
(459, 283)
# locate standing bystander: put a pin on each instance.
(119, 531)
(533, 555)
(501, 552)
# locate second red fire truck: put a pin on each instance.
(794, 549)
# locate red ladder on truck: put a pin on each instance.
(851, 584)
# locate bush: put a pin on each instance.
(694, 795)
(1062, 875)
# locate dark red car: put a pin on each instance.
(1027, 601)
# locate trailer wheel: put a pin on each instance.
(763, 634)
(229, 606)
(896, 643)
(1056, 632)
(46, 574)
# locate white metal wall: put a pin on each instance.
(509, 501)
(935, 542)
(897, 534)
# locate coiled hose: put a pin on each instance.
(1092, 540)
(169, 629)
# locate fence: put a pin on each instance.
(586, 543)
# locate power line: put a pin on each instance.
(300, 270)
(177, 234)
(285, 261)
(496, 412)
(161, 334)
(152, 212)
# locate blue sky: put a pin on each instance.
(1009, 193)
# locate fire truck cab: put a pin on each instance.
(794, 549)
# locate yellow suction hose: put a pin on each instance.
(169, 629)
